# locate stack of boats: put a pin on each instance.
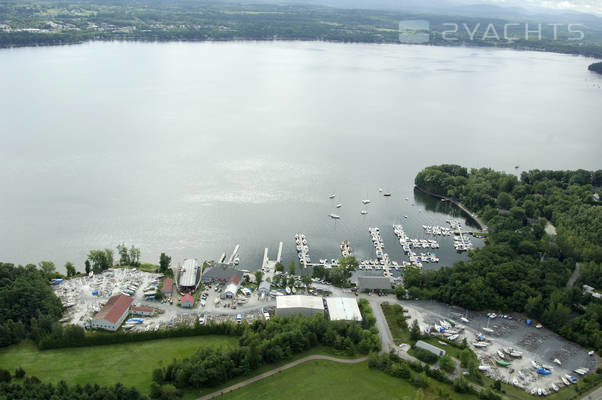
(302, 247)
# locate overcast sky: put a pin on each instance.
(587, 6)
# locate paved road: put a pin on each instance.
(595, 395)
(574, 276)
(279, 369)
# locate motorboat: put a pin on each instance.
(332, 196)
(334, 216)
(339, 205)
(364, 212)
(366, 201)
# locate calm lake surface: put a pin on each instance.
(191, 148)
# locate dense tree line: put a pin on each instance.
(522, 268)
(265, 342)
(77, 21)
(33, 389)
(75, 336)
(27, 304)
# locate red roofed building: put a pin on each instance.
(167, 288)
(187, 301)
(147, 311)
(113, 313)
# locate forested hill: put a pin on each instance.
(522, 268)
(28, 306)
(596, 67)
(53, 22)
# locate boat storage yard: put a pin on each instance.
(507, 347)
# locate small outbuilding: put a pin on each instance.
(167, 288)
(187, 301)
(429, 347)
(146, 311)
(264, 289)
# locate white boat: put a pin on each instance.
(387, 194)
(288, 290)
(539, 392)
(480, 344)
(516, 354)
(534, 364)
(557, 361)
(366, 201)
(488, 330)
(534, 391)
(499, 353)
(465, 320)
(515, 382)
(554, 387)
(339, 205)
(332, 196)
(484, 367)
(294, 290)
(334, 216)
(364, 212)
(565, 381)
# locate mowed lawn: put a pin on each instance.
(131, 364)
(322, 379)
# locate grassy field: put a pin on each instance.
(131, 363)
(396, 321)
(320, 379)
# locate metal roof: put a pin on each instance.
(343, 309)
(264, 286)
(189, 272)
(374, 282)
(220, 272)
(429, 347)
(298, 301)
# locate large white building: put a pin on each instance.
(304, 305)
(113, 313)
(188, 273)
(343, 309)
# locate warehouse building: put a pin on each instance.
(231, 287)
(429, 347)
(343, 309)
(187, 301)
(378, 283)
(189, 273)
(220, 273)
(114, 312)
(304, 305)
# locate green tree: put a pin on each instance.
(164, 262)
(306, 279)
(349, 262)
(292, 267)
(447, 364)
(258, 277)
(47, 267)
(279, 267)
(134, 256)
(505, 201)
(101, 259)
(124, 256)
(415, 331)
(318, 272)
(70, 269)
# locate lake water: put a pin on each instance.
(190, 148)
